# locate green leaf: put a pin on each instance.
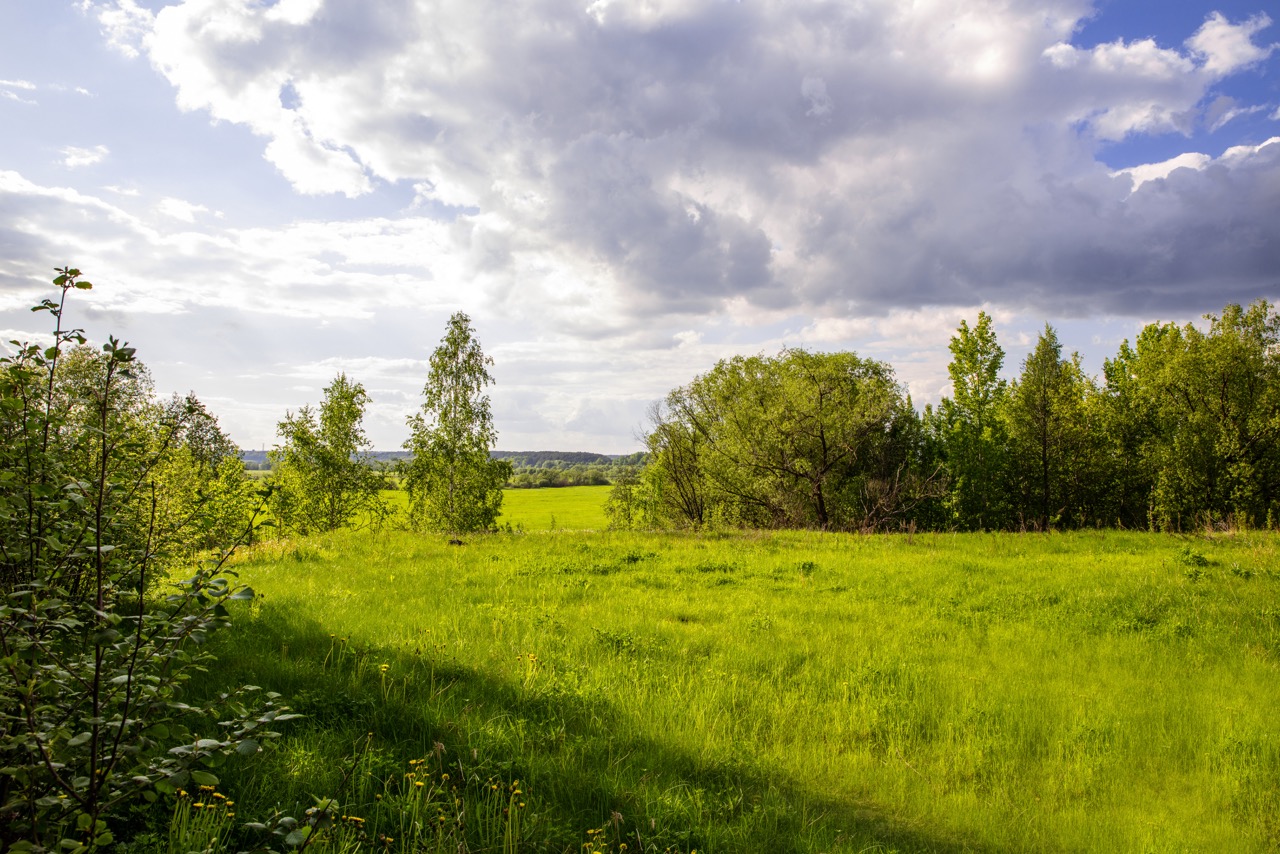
(203, 778)
(298, 836)
(248, 747)
(77, 740)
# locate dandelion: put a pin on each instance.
(419, 783)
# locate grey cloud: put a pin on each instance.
(799, 157)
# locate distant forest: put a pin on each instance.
(530, 469)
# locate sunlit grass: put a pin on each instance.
(793, 692)
(569, 508)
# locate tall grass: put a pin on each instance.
(569, 508)
(786, 692)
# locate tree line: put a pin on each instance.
(118, 513)
(1182, 430)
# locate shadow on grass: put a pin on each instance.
(579, 771)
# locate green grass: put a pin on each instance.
(569, 508)
(785, 692)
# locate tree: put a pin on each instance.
(1053, 441)
(1202, 410)
(323, 476)
(453, 483)
(972, 435)
(820, 440)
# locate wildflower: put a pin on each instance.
(419, 783)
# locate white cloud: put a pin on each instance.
(11, 90)
(124, 23)
(73, 157)
(179, 209)
(588, 178)
(1222, 47)
(1156, 171)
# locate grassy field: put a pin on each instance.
(569, 508)
(776, 692)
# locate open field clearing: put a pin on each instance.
(568, 508)
(782, 692)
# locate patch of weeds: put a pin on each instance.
(1243, 572)
(806, 568)
(1189, 557)
(616, 640)
(709, 566)
(759, 621)
(548, 621)
(1193, 573)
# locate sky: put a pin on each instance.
(619, 193)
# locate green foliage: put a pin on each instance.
(1052, 441)
(972, 433)
(322, 476)
(1197, 416)
(805, 439)
(91, 711)
(453, 483)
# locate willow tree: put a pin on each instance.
(453, 483)
(809, 440)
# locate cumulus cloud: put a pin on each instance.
(1222, 47)
(73, 157)
(606, 172)
(124, 23)
(686, 158)
(180, 209)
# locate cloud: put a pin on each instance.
(692, 158)
(73, 157)
(1223, 48)
(124, 23)
(593, 176)
(1156, 171)
(12, 90)
(179, 209)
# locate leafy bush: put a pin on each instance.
(92, 715)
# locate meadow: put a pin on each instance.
(574, 508)
(780, 692)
